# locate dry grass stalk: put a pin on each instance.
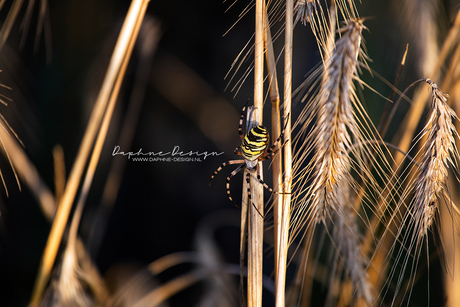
(255, 227)
(451, 250)
(59, 172)
(286, 204)
(255, 220)
(449, 235)
(122, 52)
(277, 169)
(243, 239)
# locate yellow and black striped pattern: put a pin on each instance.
(254, 143)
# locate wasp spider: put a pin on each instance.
(253, 148)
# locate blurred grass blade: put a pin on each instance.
(27, 172)
(162, 293)
(9, 21)
(121, 53)
(148, 38)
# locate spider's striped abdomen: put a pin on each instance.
(254, 143)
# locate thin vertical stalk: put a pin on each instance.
(255, 221)
(275, 130)
(451, 249)
(245, 204)
(285, 211)
(59, 173)
(259, 62)
(122, 51)
(243, 237)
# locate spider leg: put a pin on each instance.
(263, 182)
(249, 193)
(269, 152)
(239, 168)
(237, 151)
(266, 185)
(240, 127)
(224, 165)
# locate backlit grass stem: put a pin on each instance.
(255, 220)
(122, 51)
(286, 206)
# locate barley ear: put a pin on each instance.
(336, 123)
(436, 157)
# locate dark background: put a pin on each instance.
(159, 204)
